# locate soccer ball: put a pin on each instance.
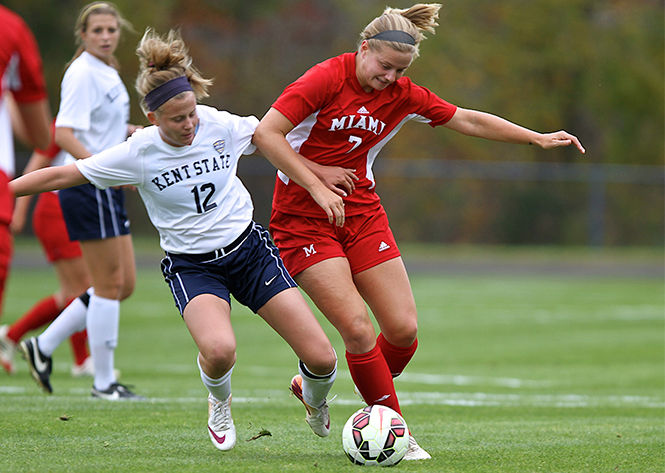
(375, 435)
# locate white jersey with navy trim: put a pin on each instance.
(191, 193)
(94, 103)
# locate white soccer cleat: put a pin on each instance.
(220, 423)
(7, 350)
(317, 418)
(415, 451)
(87, 368)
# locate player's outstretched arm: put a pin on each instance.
(491, 127)
(38, 160)
(47, 179)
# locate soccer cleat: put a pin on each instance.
(116, 392)
(7, 350)
(87, 368)
(415, 451)
(317, 418)
(220, 423)
(39, 364)
(356, 391)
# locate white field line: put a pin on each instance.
(476, 399)
(463, 380)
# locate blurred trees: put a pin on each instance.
(593, 68)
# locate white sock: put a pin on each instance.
(220, 388)
(316, 387)
(68, 322)
(102, 324)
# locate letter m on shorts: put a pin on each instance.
(309, 251)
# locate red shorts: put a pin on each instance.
(49, 226)
(365, 240)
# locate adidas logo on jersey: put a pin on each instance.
(363, 110)
(383, 246)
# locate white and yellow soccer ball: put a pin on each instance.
(375, 435)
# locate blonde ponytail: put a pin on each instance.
(162, 59)
(415, 22)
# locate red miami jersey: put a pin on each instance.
(337, 123)
(21, 74)
(20, 62)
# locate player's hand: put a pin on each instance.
(331, 203)
(17, 224)
(558, 139)
(132, 128)
(342, 181)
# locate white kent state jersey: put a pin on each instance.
(191, 193)
(94, 103)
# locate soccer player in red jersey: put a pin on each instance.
(336, 118)
(22, 77)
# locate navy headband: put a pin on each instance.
(169, 89)
(397, 36)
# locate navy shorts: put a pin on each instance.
(250, 269)
(93, 214)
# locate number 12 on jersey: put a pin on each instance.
(202, 196)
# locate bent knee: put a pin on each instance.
(218, 356)
(322, 363)
(126, 291)
(359, 337)
(402, 336)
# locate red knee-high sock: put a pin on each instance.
(396, 357)
(41, 313)
(79, 343)
(371, 375)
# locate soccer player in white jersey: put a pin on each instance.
(341, 113)
(184, 168)
(93, 116)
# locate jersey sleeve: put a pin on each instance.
(77, 97)
(116, 166)
(243, 130)
(306, 95)
(431, 109)
(28, 85)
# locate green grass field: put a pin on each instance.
(514, 373)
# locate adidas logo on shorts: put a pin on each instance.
(383, 246)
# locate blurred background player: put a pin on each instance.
(341, 113)
(184, 168)
(21, 76)
(93, 116)
(65, 255)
